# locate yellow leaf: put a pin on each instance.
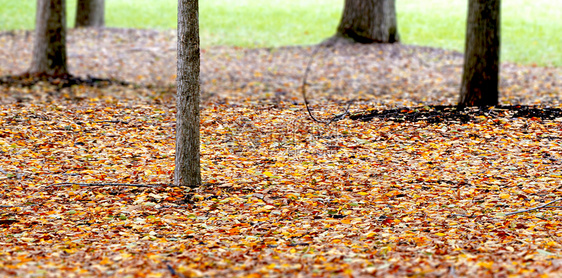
(440, 234)
(551, 243)
(362, 193)
(271, 266)
(504, 196)
(370, 235)
(487, 265)
(105, 261)
(269, 174)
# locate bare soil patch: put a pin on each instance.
(379, 75)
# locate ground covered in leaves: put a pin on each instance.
(377, 193)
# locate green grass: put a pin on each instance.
(530, 28)
(530, 31)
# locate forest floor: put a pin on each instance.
(392, 195)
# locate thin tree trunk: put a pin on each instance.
(482, 54)
(369, 21)
(187, 171)
(90, 13)
(49, 49)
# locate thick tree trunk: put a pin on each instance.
(90, 13)
(49, 49)
(369, 21)
(482, 54)
(187, 171)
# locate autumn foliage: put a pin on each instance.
(284, 196)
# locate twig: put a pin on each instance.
(17, 206)
(173, 207)
(304, 84)
(172, 271)
(306, 71)
(112, 121)
(452, 271)
(535, 208)
(157, 185)
(342, 115)
(472, 215)
(65, 184)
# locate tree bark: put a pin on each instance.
(90, 13)
(49, 49)
(187, 167)
(482, 54)
(369, 21)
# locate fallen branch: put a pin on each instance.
(112, 121)
(535, 208)
(306, 71)
(304, 85)
(65, 184)
(17, 206)
(157, 185)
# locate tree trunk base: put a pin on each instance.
(369, 21)
(337, 40)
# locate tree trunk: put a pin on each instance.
(90, 13)
(369, 21)
(187, 171)
(482, 54)
(49, 49)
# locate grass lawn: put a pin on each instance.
(529, 27)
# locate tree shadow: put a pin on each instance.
(61, 81)
(454, 114)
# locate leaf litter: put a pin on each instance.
(391, 196)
